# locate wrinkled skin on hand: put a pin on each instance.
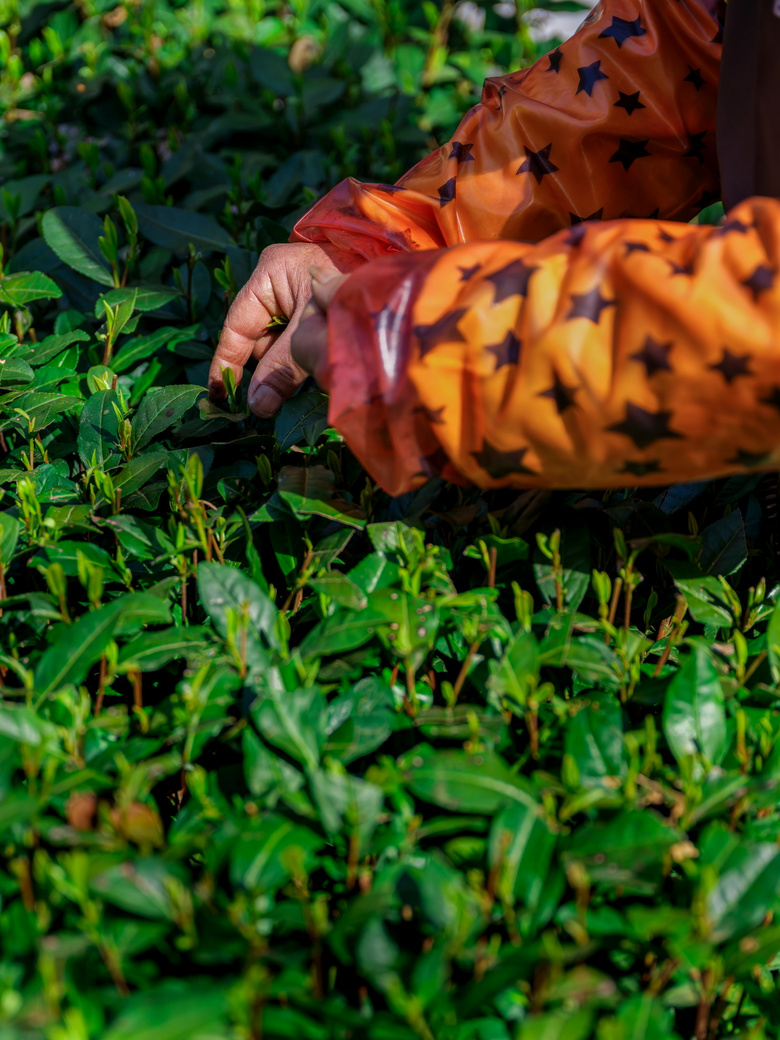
(309, 343)
(280, 287)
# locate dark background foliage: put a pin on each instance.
(280, 756)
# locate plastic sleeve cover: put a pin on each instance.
(619, 121)
(622, 353)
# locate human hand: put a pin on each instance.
(280, 287)
(309, 344)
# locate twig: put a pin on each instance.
(532, 722)
(464, 670)
(298, 583)
(679, 614)
(138, 696)
(101, 685)
(615, 598)
(492, 567)
(720, 1006)
(749, 673)
(702, 1014)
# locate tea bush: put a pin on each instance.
(280, 756)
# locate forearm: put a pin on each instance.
(626, 353)
(619, 121)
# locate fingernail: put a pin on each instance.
(322, 274)
(265, 401)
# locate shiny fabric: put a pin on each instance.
(484, 343)
(617, 122)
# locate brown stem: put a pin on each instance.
(749, 673)
(394, 674)
(256, 1018)
(24, 877)
(679, 614)
(114, 970)
(720, 1006)
(495, 871)
(138, 690)
(411, 690)
(532, 722)
(702, 1018)
(492, 567)
(627, 614)
(614, 601)
(558, 594)
(298, 582)
(215, 547)
(661, 981)
(352, 860)
(101, 685)
(464, 670)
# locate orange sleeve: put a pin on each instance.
(617, 122)
(631, 352)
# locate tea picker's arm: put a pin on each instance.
(622, 353)
(619, 121)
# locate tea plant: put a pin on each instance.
(280, 756)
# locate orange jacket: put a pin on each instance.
(513, 327)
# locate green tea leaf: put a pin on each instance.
(73, 233)
(694, 710)
(166, 1015)
(160, 409)
(223, 589)
(136, 350)
(293, 723)
(153, 650)
(302, 418)
(521, 848)
(17, 290)
(78, 646)
(724, 545)
(176, 229)
(747, 887)
(15, 372)
(43, 408)
(138, 471)
(594, 738)
(144, 298)
(98, 437)
(341, 631)
(267, 851)
(480, 783)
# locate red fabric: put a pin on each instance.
(495, 338)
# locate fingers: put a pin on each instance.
(282, 283)
(310, 341)
(277, 375)
(242, 336)
(325, 283)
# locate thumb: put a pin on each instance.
(325, 283)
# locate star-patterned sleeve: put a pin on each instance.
(619, 121)
(623, 353)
